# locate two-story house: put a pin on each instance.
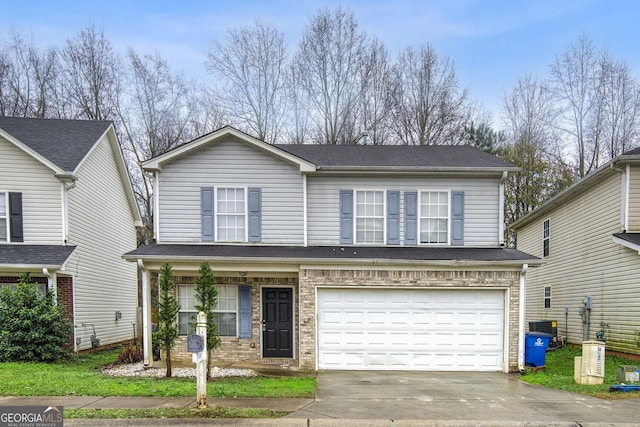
(67, 213)
(341, 257)
(589, 238)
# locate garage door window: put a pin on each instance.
(434, 217)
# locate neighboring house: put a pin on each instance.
(67, 213)
(341, 257)
(589, 238)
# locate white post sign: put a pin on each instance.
(200, 359)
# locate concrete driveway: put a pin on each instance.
(461, 396)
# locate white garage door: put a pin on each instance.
(410, 329)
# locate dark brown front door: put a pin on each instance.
(277, 322)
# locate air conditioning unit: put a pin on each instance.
(548, 327)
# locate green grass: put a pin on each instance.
(213, 412)
(559, 374)
(82, 377)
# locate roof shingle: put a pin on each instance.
(36, 255)
(63, 142)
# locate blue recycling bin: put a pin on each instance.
(536, 344)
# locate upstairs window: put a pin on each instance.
(4, 218)
(545, 238)
(547, 297)
(230, 211)
(434, 217)
(370, 217)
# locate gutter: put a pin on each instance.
(333, 261)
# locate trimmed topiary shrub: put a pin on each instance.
(32, 326)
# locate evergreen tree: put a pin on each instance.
(168, 307)
(32, 326)
(206, 295)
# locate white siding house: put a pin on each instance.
(340, 257)
(76, 216)
(590, 277)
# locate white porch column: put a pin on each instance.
(146, 316)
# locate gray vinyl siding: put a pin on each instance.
(102, 227)
(230, 163)
(583, 260)
(41, 194)
(481, 204)
(634, 199)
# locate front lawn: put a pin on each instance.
(559, 374)
(82, 377)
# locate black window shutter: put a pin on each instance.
(16, 233)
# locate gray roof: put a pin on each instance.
(629, 237)
(414, 253)
(63, 142)
(632, 152)
(35, 255)
(419, 156)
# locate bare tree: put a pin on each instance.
(28, 79)
(430, 108)
(619, 97)
(91, 75)
(154, 116)
(528, 114)
(574, 83)
(328, 66)
(375, 114)
(251, 68)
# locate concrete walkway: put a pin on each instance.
(365, 398)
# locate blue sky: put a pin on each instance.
(492, 42)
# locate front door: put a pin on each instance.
(277, 322)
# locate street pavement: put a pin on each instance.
(405, 399)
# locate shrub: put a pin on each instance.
(32, 326)
(130, 354)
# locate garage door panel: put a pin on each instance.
(410, 329)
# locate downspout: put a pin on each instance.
(51, 284)
(146, 316)
(304, 208)
(68, 181)
(626, 197)
(156, 207)
(624, 208)
(501, 209)
(521, 311)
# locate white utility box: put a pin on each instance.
(591, 364)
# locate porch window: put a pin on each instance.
(4, 218)
(42, 288)
(434, 217)
(231, 214)
(545, 238)
(547, 297)
(225, 313)
(370, 217)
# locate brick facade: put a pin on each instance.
(311, 279)
(233, 349)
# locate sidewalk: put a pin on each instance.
(97, 402)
